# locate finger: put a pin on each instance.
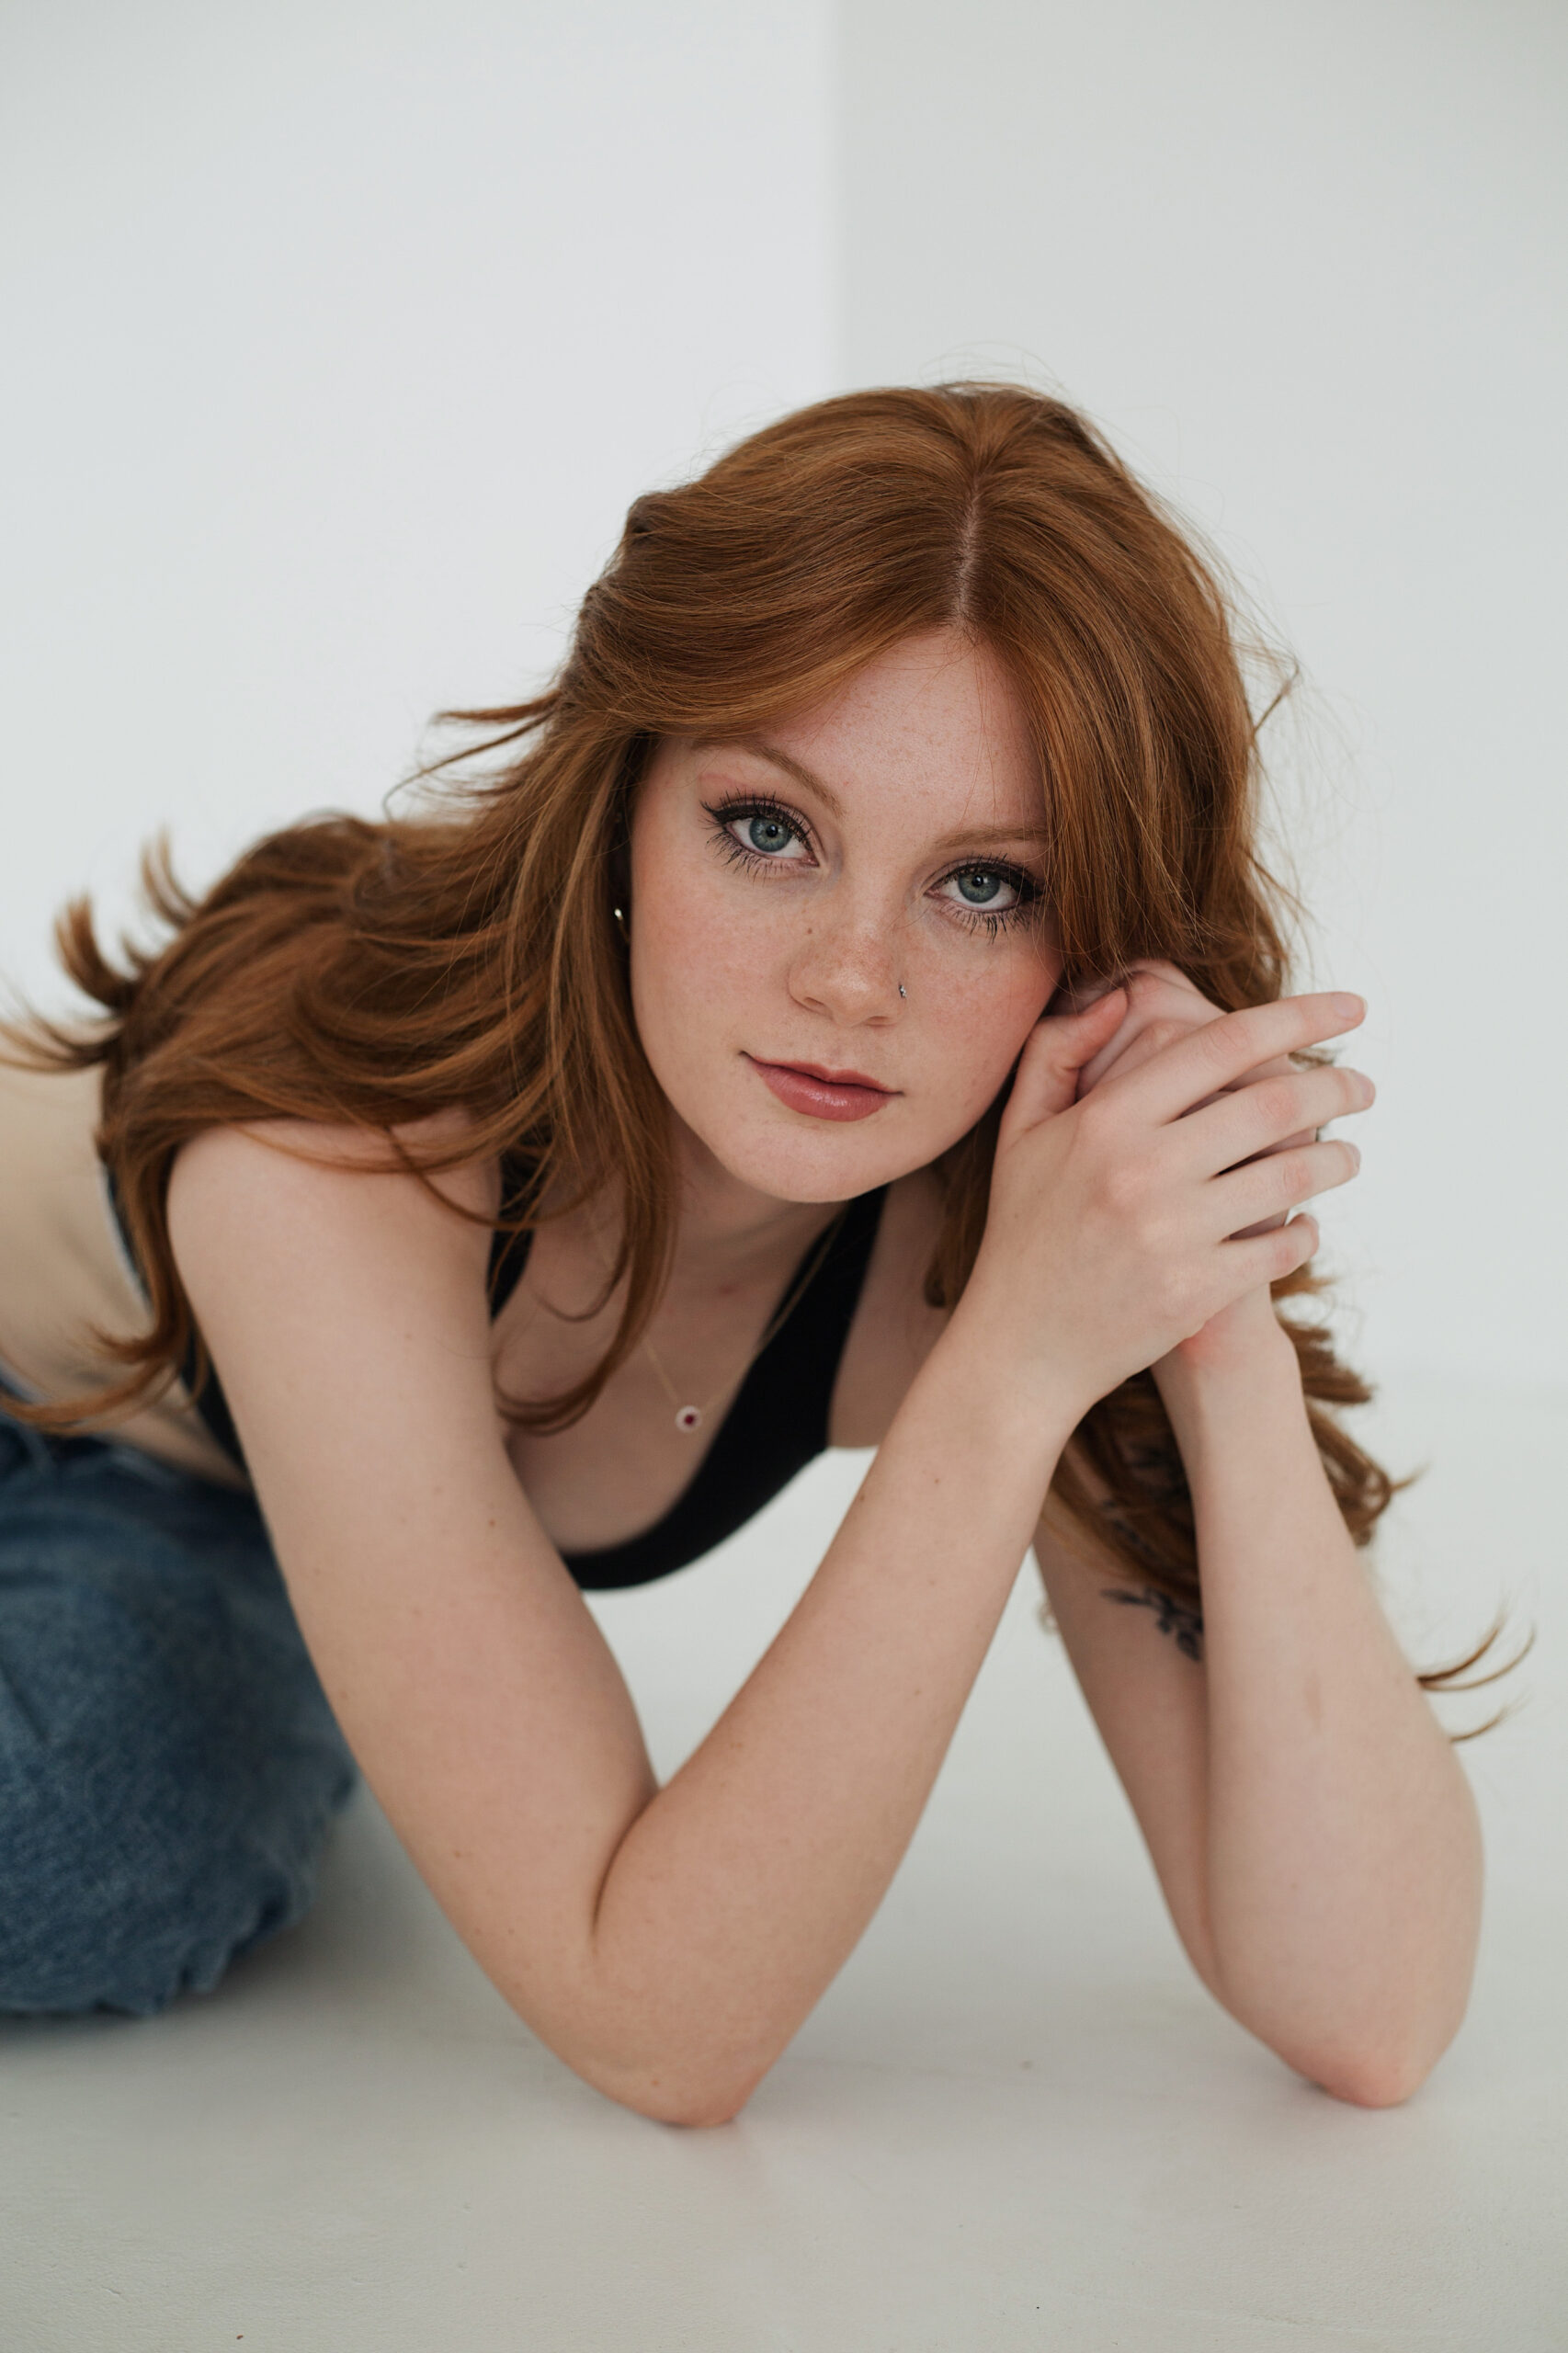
(1223, 1051)
(1278, 1066)
(1147, 1031)
(1159, 998)
(1268, 1258)
(1058, 1048)
(1280, 1181)
(1267, 1224)
(1270, 1116)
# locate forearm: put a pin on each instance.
(737, 1893)
(1343, 1865)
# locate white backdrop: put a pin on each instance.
(340, 336)
(342, 333)
(1306, 261)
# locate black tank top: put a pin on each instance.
(776, 1424)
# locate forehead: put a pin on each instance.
(934, 727)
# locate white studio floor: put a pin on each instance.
(1016, 2121)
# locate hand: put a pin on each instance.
(1162, 1006)
(1143, 1173)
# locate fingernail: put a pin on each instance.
(1347, 1008)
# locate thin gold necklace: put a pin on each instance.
(690, 1418)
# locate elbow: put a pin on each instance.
(1376, 2080)
(668, 2096)
(1382, 2071)
(1379, 2059)
(668, 2083)
(664, 2068)
(694, 2114)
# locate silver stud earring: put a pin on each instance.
(620, 923)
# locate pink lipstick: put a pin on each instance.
(823, 1094)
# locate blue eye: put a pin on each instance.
(987, 888)
(768, 834)
(761, 832)
(990, 896)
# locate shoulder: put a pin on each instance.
(299, 1159)
(257, 1204)
(343, 1305)
(894, 1329)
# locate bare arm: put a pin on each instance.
(1312, 1831)
(665, 1943)
(668, 1942)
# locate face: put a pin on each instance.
(785, 886)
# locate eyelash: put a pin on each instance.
(724, 813)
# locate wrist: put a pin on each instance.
(1252, 1374)
(1244, 1343)
(1029, 1407)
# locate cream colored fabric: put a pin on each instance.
(63, 1271)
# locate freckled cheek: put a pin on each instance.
(696, 963)
(975, 1032)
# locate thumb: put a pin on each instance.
(1061, 1045)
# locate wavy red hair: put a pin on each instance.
(464, 957)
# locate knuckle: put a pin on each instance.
(1301, 1173)
(1290, 1173)
(1217, 1040)
(1276, 1101)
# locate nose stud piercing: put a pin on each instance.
(901, 990)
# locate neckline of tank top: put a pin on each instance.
(775, 1423)
(823, 1311)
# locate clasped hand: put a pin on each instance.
(1149, 1161)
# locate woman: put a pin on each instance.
(852, 1016)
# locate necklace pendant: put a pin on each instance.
(689, 1418)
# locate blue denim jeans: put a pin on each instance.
(168, 1762)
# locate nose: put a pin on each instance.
(847, 968)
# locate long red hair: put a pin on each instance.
(463, 956)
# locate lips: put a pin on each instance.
(823, 1094)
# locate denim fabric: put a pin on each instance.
(168, 1761)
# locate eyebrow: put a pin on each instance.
(962, 838)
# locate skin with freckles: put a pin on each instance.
(900, 831)
(782, 887)
(1312, 1833)
(804, 939)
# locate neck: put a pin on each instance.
(729, 1230)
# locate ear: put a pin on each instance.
(1061, 1045)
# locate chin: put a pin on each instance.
(815, 1160)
